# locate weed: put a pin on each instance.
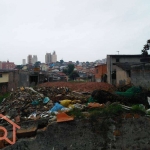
(111, 110)
(4, 96)
(77, 113)
(138, 109)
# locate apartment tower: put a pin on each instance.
(54, 57)
(48, 58)
(34, 59)
(29, 59)
(23, 61)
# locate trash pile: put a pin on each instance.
(27, 103)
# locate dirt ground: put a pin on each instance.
(80, 87)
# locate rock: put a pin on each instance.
(28, 129)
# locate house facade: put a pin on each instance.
(8, 80)
(100, 73)
(116, 73)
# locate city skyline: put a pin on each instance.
(78, 30)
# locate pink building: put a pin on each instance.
(7, 65)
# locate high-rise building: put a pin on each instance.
(29, 59)
(48, 58)
(54, 57)
(23, 61)
(34, 59)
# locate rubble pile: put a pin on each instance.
(29, 103)
(60, 93)
(34, 108)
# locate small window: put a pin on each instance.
(117, 59)
(96, 70)
(1, 76)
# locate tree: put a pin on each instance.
(65, 71)
(145, 48)
(74, 75)
(70, 68)
(77, 62)
(61, 61)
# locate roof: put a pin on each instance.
(122, 55)
(6, 70)
(125, 66)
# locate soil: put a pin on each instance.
(80, 87)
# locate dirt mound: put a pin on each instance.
(80, 87)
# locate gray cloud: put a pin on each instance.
(84, 30)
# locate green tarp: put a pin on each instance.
(130, 92)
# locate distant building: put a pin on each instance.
(8, 80)
(29, 59)
(119, 68)
(101, 73)
(48, 58)
(7, 65)
(34, 59)
(23, 61)
(54, 57)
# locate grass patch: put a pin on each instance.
(4, 96)
(75, 112)
(111, 110)
(138, 109)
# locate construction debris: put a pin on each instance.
(35, 108)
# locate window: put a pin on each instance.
(1, 76)
(96, 70)
(117, 59)
(129, 73)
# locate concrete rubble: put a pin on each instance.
(30, 108)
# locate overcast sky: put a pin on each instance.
(83, 30)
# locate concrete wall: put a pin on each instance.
(105, 134)
(122, 77)
(122, 59)
(9, 81)
(23, 79)
(140, 75)
(13, 80)
(5, 77)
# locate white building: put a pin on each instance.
(54, 57)
(34, 59)
(23, 61)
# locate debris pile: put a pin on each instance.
(27, 103)
(35, 108)
(36, 103)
